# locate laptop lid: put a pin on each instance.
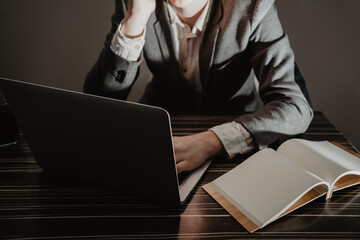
(110, 142)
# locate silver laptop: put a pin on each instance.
(117, 144)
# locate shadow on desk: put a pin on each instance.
(63, 206)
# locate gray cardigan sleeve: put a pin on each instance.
(286, 111)
(112, 76)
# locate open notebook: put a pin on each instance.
(270, 184)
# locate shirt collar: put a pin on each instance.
(200, 22)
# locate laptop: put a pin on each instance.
(113, 143)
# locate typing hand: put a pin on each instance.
(191, 151)
(136, 17)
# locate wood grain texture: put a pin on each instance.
(346, 149)
(235, 212)
(38, 205)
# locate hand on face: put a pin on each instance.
(191, 151)
(141, 6)
(136, 17)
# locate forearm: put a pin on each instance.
(136, 17)
(234, 138)
(277, 121)
(117, 67)
(111, 76)
(285, 111)
(133, 25)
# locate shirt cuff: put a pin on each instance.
(234, 137)
(127, 48)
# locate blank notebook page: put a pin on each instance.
(264, 185)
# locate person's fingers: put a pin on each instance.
(179, 156)
(178, 159)
(182, 166)
(179, 149)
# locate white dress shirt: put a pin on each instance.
(187, 44)
(234, 137)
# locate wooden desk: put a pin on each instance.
(34, 204)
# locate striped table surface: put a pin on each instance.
(38, 205)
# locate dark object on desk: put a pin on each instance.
(113, 143)
(9, 131)
(37, 205)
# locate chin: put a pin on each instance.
(182, 3)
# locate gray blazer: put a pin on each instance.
(240, 36)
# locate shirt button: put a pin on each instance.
(137, 47)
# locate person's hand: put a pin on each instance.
(191, 151)
(137, 16)
(141, 6)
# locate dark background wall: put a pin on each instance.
(55, 42)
